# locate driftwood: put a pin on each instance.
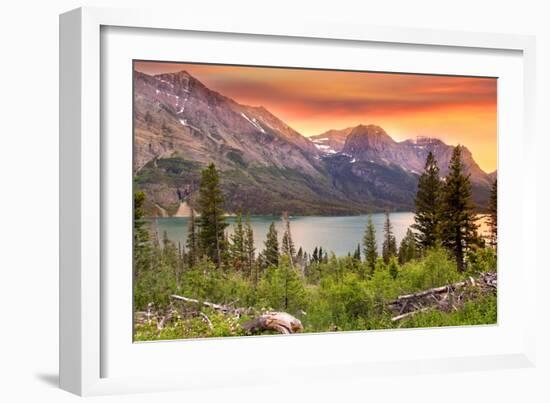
(446, 298)
(280, 322)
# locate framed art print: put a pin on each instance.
(244, 225)
(235, 195)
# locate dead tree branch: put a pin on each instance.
(445, 298)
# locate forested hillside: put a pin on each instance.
(442, 273)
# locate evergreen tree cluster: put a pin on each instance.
(445, 213)
(216, 264)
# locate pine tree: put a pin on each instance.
(283, 288)
(407, 249)
(249, 246)
(294, 292)
(357, 253)
(271, 252)
(389, 246)
(182, 256)
(212, 223)
(192, 241)
(287, 244)
(315, 256)
(428, 205)
(493, 233)
(142, 247)
(237, 245)
(393, 267)
(458, 219)
(369, 245)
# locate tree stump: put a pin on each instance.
(280, 322)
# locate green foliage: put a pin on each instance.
(192, 241)
(428, 205)
(369, 245)
(459, 230)
(212, 223)
(389, 246)
(237, 246)
(434, 270)
(142, 250)
(393, 267)
(282, 288)
(357, 253)
(408, 249)
(193, 327)
(271, 252)
(250, 250)
(287, 244)
(155, 285)
(482, 311)
(339, 304)
(482, 260)
(325, 292)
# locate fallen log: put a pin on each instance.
(280, 322)
(445, 298)
(216, 307)
(408, 314)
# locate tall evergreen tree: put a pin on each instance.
(315, 256)
(237, 246)
(271, 252)
(459, 231)
(369, 245)
(249, 246)
(357, 253)
(142, 247)
(212, 223)
(428, 205)
(287, 243)
(182, 258)
(192, 241)
(493, 233)
(169, 252)
(408, 249)
(389, 246)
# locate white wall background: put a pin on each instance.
(29, 201)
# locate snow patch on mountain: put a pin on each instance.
(253, 122)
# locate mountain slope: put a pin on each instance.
(267, 167)
(372, 144)
(180, 126)
(176, 112)
(331, 141)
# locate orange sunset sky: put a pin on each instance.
(455, 109)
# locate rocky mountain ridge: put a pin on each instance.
(180, 126)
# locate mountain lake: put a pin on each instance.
(338, 234)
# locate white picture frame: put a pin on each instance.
(85, 196)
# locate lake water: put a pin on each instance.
(334, 234)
